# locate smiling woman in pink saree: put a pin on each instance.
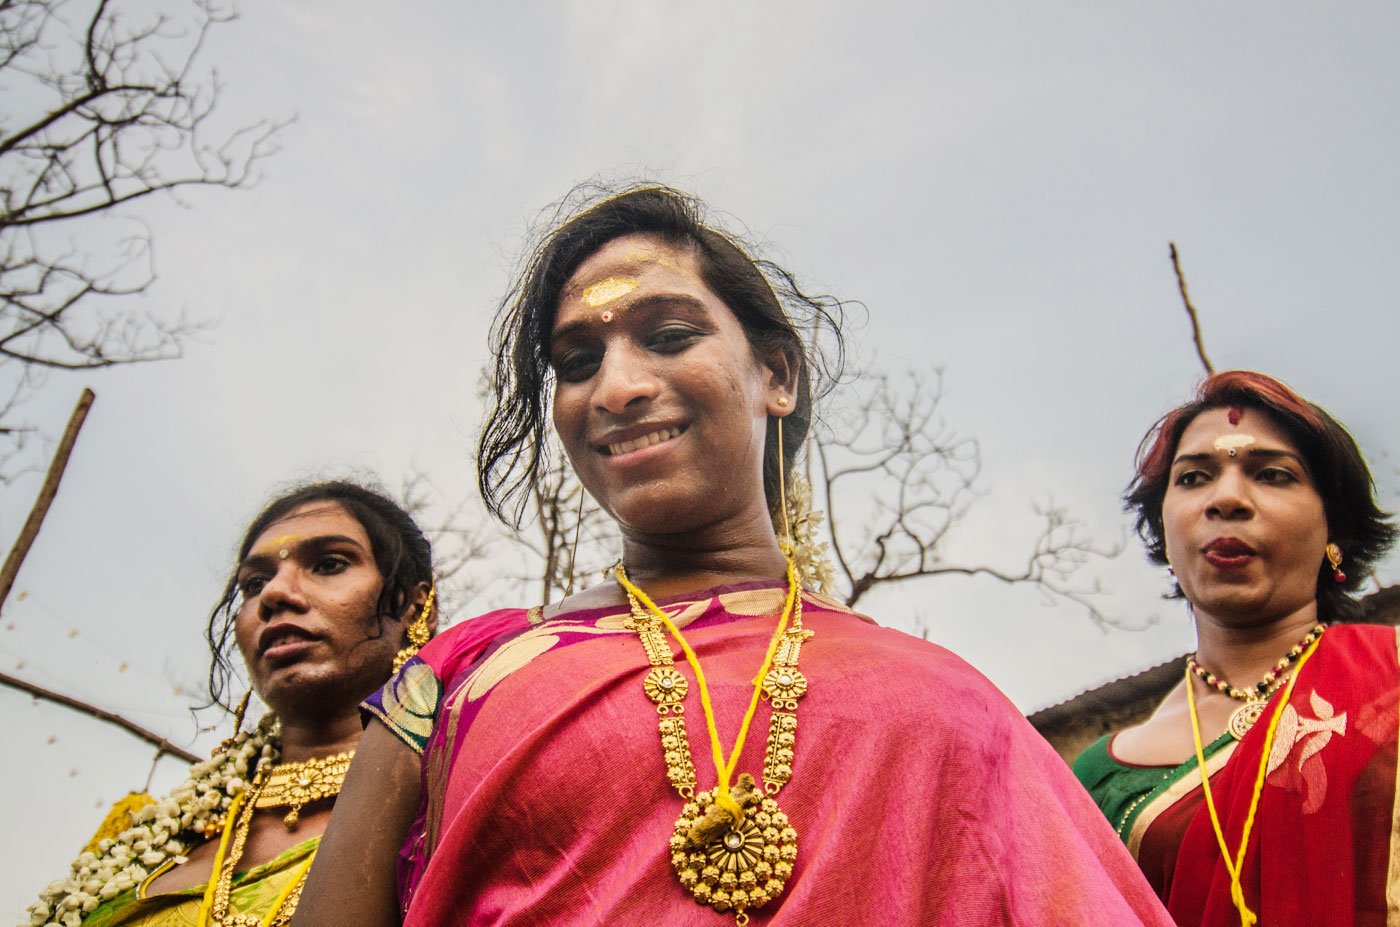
(1275, 802)
(697, 740)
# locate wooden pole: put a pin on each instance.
(30, 531)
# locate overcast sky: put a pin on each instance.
(996, 182)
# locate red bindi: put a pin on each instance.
(1234, 415)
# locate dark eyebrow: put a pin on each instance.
(1254, 453)
(651, 303)
(300, 547)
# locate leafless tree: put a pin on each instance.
(459, 532)
(895, 480)
(569, 540)
(102, 108)
(564, 541)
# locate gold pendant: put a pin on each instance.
(1245, 717)
(742, 868)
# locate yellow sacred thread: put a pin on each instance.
(723, 769)
(1236, 864)
(297, 878)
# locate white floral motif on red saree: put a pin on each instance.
(1294, 763)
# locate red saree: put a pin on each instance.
(919, 794)
(1325, 847)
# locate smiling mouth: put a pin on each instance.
(636, 444)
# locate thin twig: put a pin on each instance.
(1190, 311)
(30, 531)
(101, 714)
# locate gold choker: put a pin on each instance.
(291, 785)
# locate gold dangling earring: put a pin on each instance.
(786, 542)
(417, 632)
(238, 714)
(1334, 557)
(573, 551)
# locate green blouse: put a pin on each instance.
(1123, 790)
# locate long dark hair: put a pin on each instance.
(1334, 462)
(402, 554)
(763, 296)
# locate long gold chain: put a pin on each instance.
(214, 911)
(732, 848)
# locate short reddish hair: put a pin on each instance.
(1329, 452)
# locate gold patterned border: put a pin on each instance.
(1392, 879)
(1174, 793)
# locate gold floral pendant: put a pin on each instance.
(742, 868)
(1245, 717)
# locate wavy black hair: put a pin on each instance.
(402, 554)
(1354, 521)
(765, 298)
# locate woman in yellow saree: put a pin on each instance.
(332, 590)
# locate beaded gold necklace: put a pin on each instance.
(1255, 698)
(732, 848)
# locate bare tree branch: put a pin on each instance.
(460, 537)
(103, 109)
(570, 537)
(895, 480)
(47, 492)
(1190, 311)
(101, 714)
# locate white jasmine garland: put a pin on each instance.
(165, 830)
(814, 569)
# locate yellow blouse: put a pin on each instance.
(254, 892)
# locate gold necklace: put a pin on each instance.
(296, 784)
(214, 911)
(1256, 698)
(732, 849)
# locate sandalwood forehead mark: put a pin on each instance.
(281, 546)
(1232, 443)
(651, 256)
(605, 291)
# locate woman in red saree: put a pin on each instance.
(1263, 507)
(697, 740)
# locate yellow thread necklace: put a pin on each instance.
(732, 847)
(1234, 863)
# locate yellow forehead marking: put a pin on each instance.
(605, 291)
(281, 545)
(1232, 443)
(651, 256)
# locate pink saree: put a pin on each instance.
(919, 794)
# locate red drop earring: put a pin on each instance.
(1334, 557)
